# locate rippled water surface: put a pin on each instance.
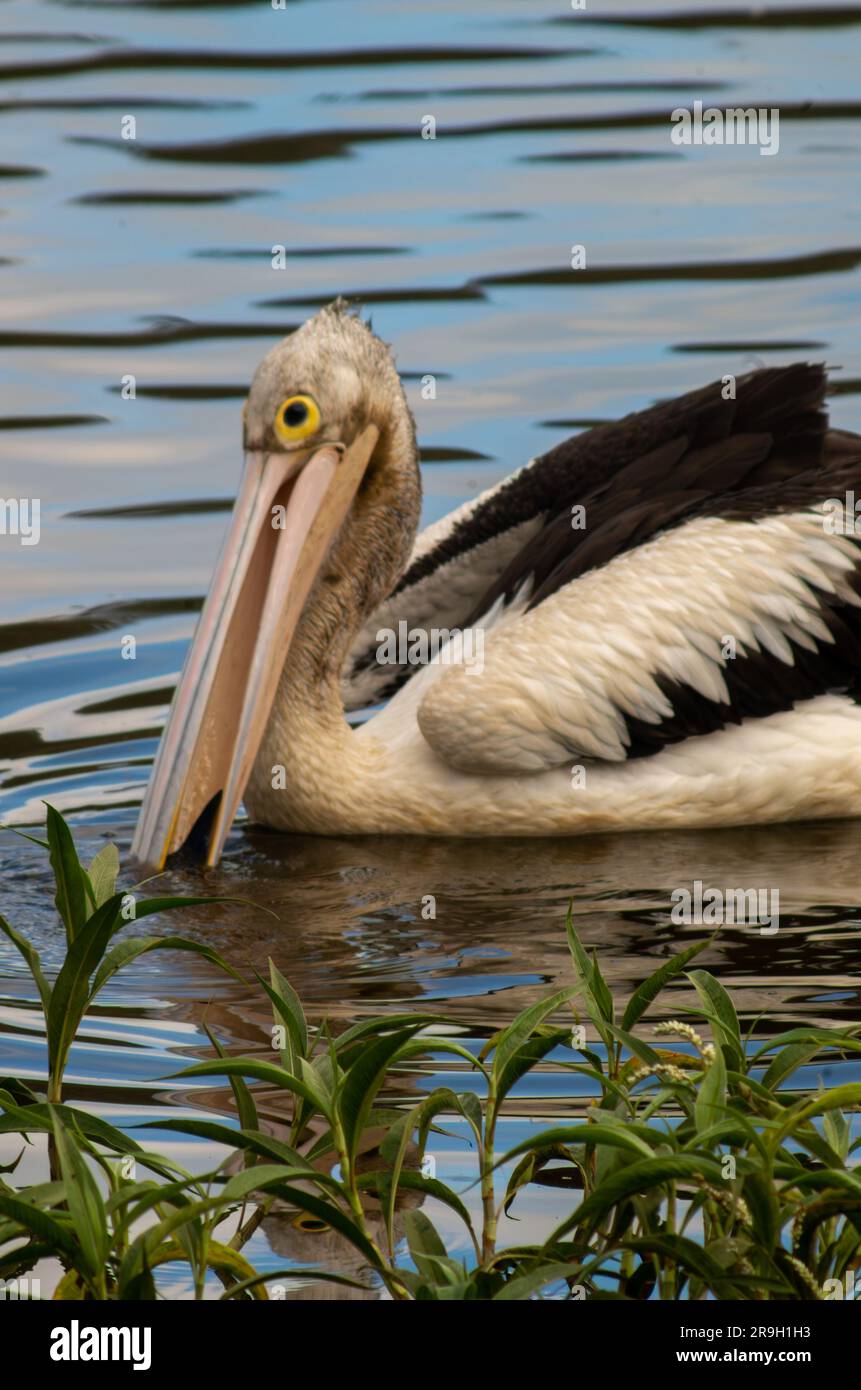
(152, 258)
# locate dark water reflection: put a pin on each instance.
(152, 258)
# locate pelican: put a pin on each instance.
(668, 606)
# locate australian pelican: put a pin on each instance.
(687, 655)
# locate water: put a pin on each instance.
(152, 258)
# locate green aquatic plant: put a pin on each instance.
(93, 913)
(87, 1227)
(700, 1173)
(697, 1170)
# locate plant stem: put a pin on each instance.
(488, 1235)
(669, 1291)
(247, 1230)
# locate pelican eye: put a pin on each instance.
(296, 418)
(306, 1222)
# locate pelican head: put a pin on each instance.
(321, 530)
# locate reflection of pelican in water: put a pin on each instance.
(347, 924)
(307, 1242)
(690, 644)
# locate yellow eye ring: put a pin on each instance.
(296, 418)
(310, 1224)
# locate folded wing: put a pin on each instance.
(632, 476)
(701, 584)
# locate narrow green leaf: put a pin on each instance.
(394, 1145)
(245, 1106)
(71, 897)
(296, 1274)
(363, 1081)
(42, 1224)
(836, 1099)
(531, 1165)
(36, 1118)
(254, 1140)
(34, 839)
(761, 1197)
(426, 1246)
(263, 1176)
(246, 1066)
(837, 1132)
(788, 1060)
(85, 1202)
(653, 986)
(618, 1137)
(828, 1037)
(584, 968)
(603, 997)
(104, 872)
(142, 1254)
(18, 1262)
(146, 907)
(635, 1045)
(71, 987)
(710, 1103)
(388, 1023)
(525, 1285)
(71, 994)
(687, 1254)
(470, 1107)
(511, 1039)
(320, 1077)
(132, 947)
(721, 1012)
(380, 1181)
(292, 1005)
(33, 959)
(534, 1050)
(646, 1175)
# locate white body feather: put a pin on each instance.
(535, 744)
